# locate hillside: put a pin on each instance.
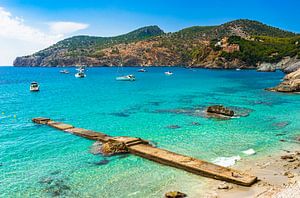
(239, 43)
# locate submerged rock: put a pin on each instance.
(120, 114)
(102, 162)
(220, 109)
(173, 127)
(175, 194)
(291, 83)
(195, 123)
(281, 124)
(201, 111)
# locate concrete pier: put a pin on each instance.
(142, 148)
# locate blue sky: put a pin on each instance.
(53, 20)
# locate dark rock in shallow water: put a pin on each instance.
(55, 172)
(173, 127)
(280, 134)
(195, 123)
(96, 148)
(280, 125)
(123, 156)
(46, 180)
(201, 112)
(155, 103)
(55, 187)
(175, 194)
(102, 162)
(120, 114)
(219, 109)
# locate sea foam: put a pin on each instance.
(249, 152)
(227, 161)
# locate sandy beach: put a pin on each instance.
(278, 176)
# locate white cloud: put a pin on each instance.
(19, 39)
(66, 27)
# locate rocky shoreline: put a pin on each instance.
(290, 83)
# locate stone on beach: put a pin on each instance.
(225, 186)
(175, 194)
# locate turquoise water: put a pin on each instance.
(38, 161)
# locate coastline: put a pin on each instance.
(277, 177)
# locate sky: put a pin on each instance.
(27, 26)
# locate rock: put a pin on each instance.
(113, 147)
(292, 67)
(225, 186)
(291, 83)
(266, 67)
(173, 127)
(219, 109)
(175, 194)
(281, 124)
(195, 124)
(285, 157)
(102, 162)
(289, 174)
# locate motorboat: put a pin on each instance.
(168, 73)
(142, 70)
(64, 71)
(237, 69)
(80, 73)
(126, 78)
(34, 86)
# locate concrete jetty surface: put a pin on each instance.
(142, 148)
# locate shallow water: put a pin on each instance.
(38, 161)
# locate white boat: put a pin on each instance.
(34, 86)
(237, 69)
(126, 78)
(64, 71)
(80, 73)
(168, 73)
(142, 70)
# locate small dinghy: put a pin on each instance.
(34, 86)
(168, 73)
(126, 78)
(142, 70)
(64, 71)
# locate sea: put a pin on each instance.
(169, 111)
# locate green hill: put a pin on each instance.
(193, 46)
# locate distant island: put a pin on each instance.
(237, 44)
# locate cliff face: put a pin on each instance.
(223, 46)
